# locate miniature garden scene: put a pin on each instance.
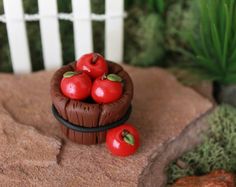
(118, 93)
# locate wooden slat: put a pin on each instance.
(50, 34)
(83, 27)
(114, 30)
(17, 36)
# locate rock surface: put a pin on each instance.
(218, 178)
(171, 150)
(205, 88)
(32, 154)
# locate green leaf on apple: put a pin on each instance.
(129, 138)
(69, 74)
(114, 77)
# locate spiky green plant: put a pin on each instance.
(214, 48)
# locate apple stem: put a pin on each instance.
(104, 76)
(94, 59)
(128, 137)
(79, 72)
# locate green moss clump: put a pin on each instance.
(144, 39)
(218, 150)
(180, 19)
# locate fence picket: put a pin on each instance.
(17, 36)
(50, 34)
(49, 26)
(83, 27)
(114, 30)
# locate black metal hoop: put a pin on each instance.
(91, 129)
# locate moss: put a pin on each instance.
(144, 39)
(180, 19)
(218, 150)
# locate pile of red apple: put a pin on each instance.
(92, 80)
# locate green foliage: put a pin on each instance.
(218, 150)
(152, 6)
(214, 51)
(4, 47)
(4, 50)
(144, 32)
(98, 7)
(176, 17)
(156, 5)
(66, 32)
(144, 38)
(33, 32)
(181, 17)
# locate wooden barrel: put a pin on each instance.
(87, 113)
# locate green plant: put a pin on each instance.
(217, 151)
(181, 17)
(4, 47)
(214, 48)
(156, 5)
(153, 6)
(154, 30)
(144, 32)
(144, 39)
(98, 7)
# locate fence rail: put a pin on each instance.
(48, 17)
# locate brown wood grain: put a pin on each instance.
(58, 99)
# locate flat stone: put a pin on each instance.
(162, 110)
(205, 88)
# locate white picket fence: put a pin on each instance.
(48, 16)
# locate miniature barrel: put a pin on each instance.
(87, 113)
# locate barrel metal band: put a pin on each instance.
(81, 128)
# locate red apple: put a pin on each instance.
(76, 85)
(93, 64)
(123, 140)
(107, 89)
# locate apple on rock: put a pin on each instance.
(107, 88)
(123, 140)
(93, 64)
(76, 85)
